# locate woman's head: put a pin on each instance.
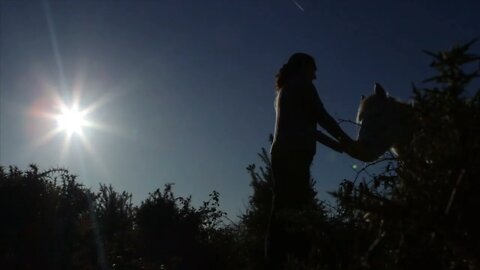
(299, 64)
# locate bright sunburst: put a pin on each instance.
(71, 120)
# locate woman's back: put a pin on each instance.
(295, 118)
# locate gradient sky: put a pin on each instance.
(184, 89)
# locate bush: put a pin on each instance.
(420, 209)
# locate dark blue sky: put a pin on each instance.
(189, 85)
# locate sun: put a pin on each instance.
(64, 119)
(71, 120)
(68, 118)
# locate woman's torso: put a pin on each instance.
(295, 123)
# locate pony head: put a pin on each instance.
(384, 125)
(373, 104)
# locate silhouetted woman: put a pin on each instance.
(298, 111)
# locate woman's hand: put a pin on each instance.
(358, 150)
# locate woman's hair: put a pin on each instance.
(294, 65)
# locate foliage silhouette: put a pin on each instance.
(40, 217)
(49, 221)
(422, 205)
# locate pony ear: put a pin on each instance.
(363, 97)
(378, 90)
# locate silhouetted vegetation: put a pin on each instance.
(421, 208)
(418, 212)
(50, 221)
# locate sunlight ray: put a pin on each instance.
(100, 102)
(46, 138)
(75, 107)
(65, 146)
(91, 152)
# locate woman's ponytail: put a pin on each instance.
(294, 65)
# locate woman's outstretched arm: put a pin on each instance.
(328, 141)
(326, 121)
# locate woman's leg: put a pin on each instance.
(292, 194)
